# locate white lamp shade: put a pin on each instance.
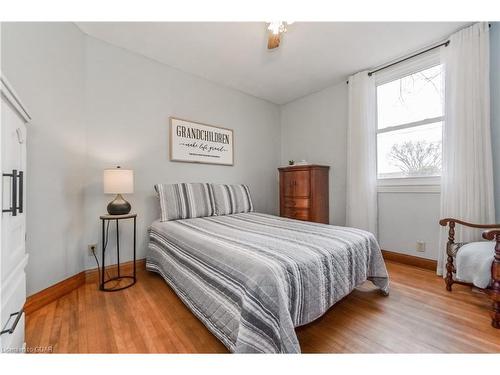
(118, 181)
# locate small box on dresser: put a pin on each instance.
(304, 192)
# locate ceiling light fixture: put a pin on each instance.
(275, 30)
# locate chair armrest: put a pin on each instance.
(444, 222)
(451, 231)
(492, 234)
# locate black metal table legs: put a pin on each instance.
(105, 235)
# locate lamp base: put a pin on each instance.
(119, 206)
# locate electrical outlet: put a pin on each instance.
(421, 246)
(92, 249)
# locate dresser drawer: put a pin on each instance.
(297, 202)
(293, 213)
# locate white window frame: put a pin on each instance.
(425, 184)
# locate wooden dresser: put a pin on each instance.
(304, 192)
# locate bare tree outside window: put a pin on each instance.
(408, 86)
(409, 125)
(417, 158)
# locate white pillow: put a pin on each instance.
(474, 263)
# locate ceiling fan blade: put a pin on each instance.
(273, 41)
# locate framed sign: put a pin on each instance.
(194, 142)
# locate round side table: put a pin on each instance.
(105, 228)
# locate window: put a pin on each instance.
(409, 124)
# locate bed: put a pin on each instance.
(251, 278)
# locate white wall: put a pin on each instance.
(95, 106)
(128, 101)
(314, 128)
(405, 218)
(44, 63)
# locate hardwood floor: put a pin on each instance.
(418, 316)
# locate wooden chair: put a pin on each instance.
(491, 233)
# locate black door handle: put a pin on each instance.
(21, 191)
(14, 207)
(13, 194)
(14, 325)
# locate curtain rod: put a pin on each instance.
(445, 44)
(410, 57)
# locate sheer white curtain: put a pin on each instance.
(361, 154)
(467, 176)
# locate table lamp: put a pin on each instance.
(118, 181)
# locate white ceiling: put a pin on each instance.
(312, 55)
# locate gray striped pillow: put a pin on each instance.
(185, 201)
(231, 199)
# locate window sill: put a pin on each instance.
(422, 189)
(410, 185)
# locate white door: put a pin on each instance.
(13, 255)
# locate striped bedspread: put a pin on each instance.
(251, 278)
